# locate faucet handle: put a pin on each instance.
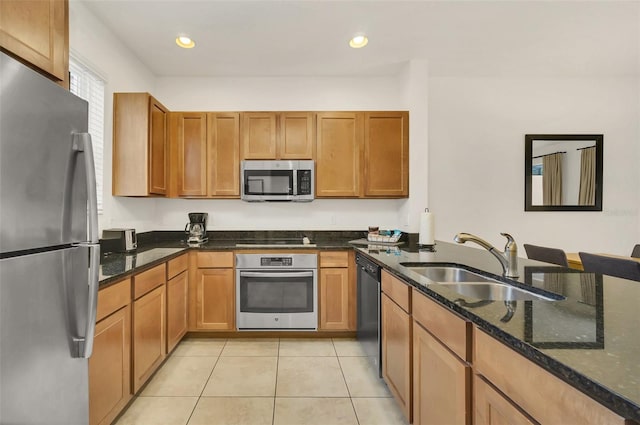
(508, 236)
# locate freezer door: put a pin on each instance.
(44, 303)
(43, 179)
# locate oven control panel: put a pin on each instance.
(276, 261)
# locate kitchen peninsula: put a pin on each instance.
(586, 339)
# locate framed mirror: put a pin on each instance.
(563, 172)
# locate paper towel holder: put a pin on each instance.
(427, 247)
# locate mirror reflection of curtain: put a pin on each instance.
(554, 282)
(552, 179)
(587, 195)
(588, 288)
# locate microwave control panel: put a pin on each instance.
(304, 182)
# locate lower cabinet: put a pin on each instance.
(396, 353)
(441, 382)
(149, 347)
(336, 291)
(441, 364)
(215, 299)
(110, 363)
(491, 408)
(545, 398)
(212, 291)
(177, 300)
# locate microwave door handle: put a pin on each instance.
(295, 182)
(276, 274)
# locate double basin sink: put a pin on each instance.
(475, 285)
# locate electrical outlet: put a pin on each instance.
(333, 219)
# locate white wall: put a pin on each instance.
(476, 158)
(96, 46)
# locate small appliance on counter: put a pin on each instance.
(119, 240)
(197, 228)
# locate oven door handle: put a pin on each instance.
(276, 274)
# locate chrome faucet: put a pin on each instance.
(508, 259)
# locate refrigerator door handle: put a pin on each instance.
(83, 345)
(82, 143)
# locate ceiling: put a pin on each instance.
(310, 38)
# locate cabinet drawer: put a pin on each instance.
(397, 290)
(146, 281)
(334, 259)
(113, 298)
(215, 259)
(177, 266)
(452, 330)
(546, 398)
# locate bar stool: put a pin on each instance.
(618, 267)
(548, 255)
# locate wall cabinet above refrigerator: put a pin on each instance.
(37, 32)
(139, 145)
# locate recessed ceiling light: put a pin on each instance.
(358, 41)
(185, 42)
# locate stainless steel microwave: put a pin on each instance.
(277, 180)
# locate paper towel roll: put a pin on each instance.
(427, 232)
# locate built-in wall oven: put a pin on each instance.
(277, 291)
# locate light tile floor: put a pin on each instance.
(265, 382)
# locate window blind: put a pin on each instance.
(87, 85)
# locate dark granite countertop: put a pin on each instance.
(590, 339)
(157, 247)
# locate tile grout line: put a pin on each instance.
(205, 384)
(275, 389)
(355, 413)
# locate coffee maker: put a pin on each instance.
(197, 228)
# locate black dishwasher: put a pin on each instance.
(369, 332)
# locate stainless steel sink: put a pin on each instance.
(475, 285)
(493, 291)
(449, 274)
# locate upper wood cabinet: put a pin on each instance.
(223, 141)
(296, 136)
(362, 154)
(277, 135)
(139, 145)
(205, 152)
(38, 33)
(259, 135)
(189, 139)
(386, 154)
(339, 140)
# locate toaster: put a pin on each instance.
(119, 240)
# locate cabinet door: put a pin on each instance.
(259, 135)
(334, 299)
(386, 154)
(157, 147)
(339, 137)
(149, 332)
(38, 32)
(109, 367)
(441, 383)
(223, 133)
(191, 139)
(491, 408)
(176, 309)
(215, 299)
(296, 138)
(396, 353)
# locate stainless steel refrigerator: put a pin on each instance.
(49, 256)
